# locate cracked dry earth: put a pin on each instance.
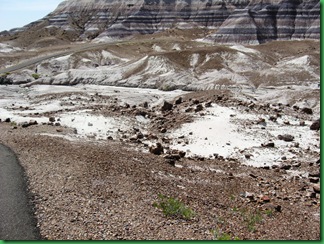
(90, 190)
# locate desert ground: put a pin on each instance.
(244, 157)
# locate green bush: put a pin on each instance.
(172, 207)
(36, 76)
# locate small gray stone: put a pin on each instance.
(286, 138)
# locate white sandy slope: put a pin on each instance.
(222, 131)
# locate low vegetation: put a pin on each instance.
(223, 236)
(36, 76)
(172, 207)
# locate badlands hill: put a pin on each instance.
(188, 45)
(174, 62)
(244, 21)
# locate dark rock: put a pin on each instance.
(273, 118)
(163, 130)
(208, 104)
(157, 150)
(269, 144)
(188, 110)
(182, 154)
(248, 156)
(139, 112)
(199, 108)
(311, 194)
(166, 140)
(139, 135)
(25, 125)
(253, 176)
(171, 162)
(178, 101)
(7, 120)
(278, 208)
(302, 123)
(51, 119)
(285, 167)
(251, 105)
(286, 138)
(276, 167)
(33, 122)
(166, 106)
(307, 110)
(196, 101)
(314, 180)
(316, 125)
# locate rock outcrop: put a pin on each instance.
(245, 21)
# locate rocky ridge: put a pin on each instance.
(244, 21)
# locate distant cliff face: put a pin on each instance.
(263, 21)
(121, 18)
(244, 21)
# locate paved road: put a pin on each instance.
(82, 48)
(36, 60)
(17, 221)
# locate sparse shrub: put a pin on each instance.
(252, 219)
(36, 76)
(172, 207)
(268, 212)
(220, 236)
(235, 209)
